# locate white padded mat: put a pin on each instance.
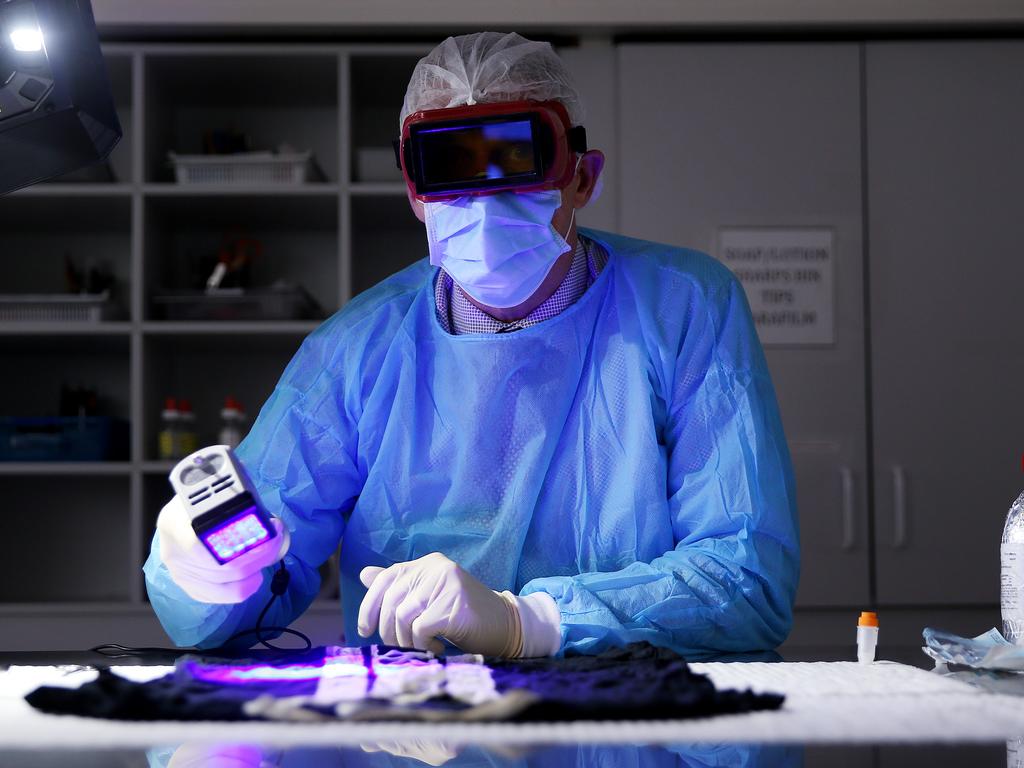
(839, 702)
(832, 678)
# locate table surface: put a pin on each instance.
(909, 655)
(827, 703)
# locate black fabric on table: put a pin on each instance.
(114, 698)
(639, 682)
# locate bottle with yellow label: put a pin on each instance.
(188, 438)
(170, 425)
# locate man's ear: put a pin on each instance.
(591, 165)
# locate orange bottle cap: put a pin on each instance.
(868, 619)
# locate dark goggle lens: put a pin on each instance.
(478, 153)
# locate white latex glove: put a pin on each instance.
(414, 603)
(197, 572)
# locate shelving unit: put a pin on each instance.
(334, 236)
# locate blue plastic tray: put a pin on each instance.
(54, 438)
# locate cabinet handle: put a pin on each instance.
(849, 529)
(899, 507)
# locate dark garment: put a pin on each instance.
(639, 682)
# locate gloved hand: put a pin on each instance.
(197, 572)
(414, 603)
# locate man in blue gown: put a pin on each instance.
(540, 439)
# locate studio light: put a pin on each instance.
(27, 39)
(57, 112)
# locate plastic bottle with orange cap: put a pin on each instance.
(867, 637)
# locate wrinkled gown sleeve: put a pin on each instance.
(300, 456)
(729, 583)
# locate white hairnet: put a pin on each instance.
(487, 67)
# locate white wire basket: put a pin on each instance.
(243, 169)
(56, 308)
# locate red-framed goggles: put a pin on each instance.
(488, 148)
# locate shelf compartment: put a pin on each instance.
(298, 237)
(65, 542)
(273, 98)
(92, 439)
(205, 369)
(44, 363)
(386, 237)
(377, 84)
(40, 230)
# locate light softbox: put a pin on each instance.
(56, 109)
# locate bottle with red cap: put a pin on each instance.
(167, 439)
(233, 418)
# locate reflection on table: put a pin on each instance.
(413, 753)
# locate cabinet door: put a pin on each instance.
(768, 135)
(945, 169)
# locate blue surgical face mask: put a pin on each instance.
(498, 248)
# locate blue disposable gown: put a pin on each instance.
(625, 457)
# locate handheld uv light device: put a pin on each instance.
(221, 502)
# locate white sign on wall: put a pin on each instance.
(787, 275)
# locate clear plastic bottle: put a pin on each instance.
(233, 418)
(1011, 577)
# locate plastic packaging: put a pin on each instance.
(867, 637)
(233, 418)
(169, 427)
(987, 651)
(1011, 576)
